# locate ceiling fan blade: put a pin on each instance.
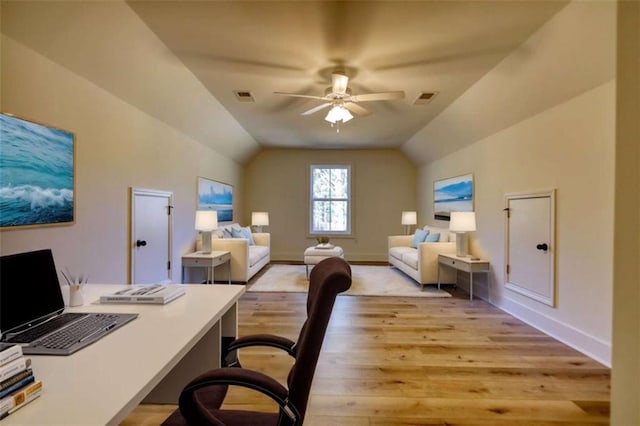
(339, 83)
(316, 108)
(297, 95)
(357, 109)
(382, 96)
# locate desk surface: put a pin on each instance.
(103, 382)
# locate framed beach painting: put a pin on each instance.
(218, 196)
(452, 195)
(37, 174)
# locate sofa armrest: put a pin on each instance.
(262, 238)
(400, 240)
(428, 264)
(238, 247)
(239, 250)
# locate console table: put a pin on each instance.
(466, 264)
(199, 259)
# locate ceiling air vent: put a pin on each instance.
(424, 98)
(244, 96)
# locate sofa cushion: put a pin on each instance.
(432, 238)
(256, 253)
(398, 252)
(411, 259)
(419, 237)
(445, 235)
(243, 233)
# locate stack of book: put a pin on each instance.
(18, 385)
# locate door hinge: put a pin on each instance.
(169, 210)
(508, 269)
(508, 210)
(168, 264)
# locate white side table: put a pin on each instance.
(466, 264)
(199, 259)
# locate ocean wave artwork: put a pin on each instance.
(213, 195)
(452, 195)
(36, 174)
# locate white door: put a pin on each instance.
(530, 245)
(151, 236)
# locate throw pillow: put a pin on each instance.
(227, 232)
(432, 238)
(246, 231)
(243, 233)
(419, 237)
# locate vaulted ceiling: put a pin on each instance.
(266, 47)
(181, 61)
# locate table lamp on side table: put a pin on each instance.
(408, 219)
(259, 219)
(461, 224)
(206, 221)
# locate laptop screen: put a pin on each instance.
(29, 289)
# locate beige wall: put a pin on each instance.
(568, 146)
(117, 147)
(384, 184)
(625, 380)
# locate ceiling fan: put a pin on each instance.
(343, 103)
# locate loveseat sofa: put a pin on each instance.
(421, 262)
(246, 258)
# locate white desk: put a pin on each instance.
(151, 357)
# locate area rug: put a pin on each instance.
(366, 281)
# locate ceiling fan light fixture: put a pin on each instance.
(338, 113)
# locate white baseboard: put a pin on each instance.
(589, 345)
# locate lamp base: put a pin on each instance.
(462, 245)
(408, 230)
(206, 242)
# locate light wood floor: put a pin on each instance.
(406, 361)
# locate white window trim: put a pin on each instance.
(312, 167)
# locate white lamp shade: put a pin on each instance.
(260, 218)
(338, 113)
(206, 220)
(409, 218)
(462, 222)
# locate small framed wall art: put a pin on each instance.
(453, 194)
(37, 174)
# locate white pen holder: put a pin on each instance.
(75, 295)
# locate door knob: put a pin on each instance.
(543, 247)
(141, 243)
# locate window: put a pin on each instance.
(330, 203)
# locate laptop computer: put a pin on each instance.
(32, 309)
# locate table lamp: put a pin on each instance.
(462, 223)
(206, 221)
(408, 219)
(259, 219)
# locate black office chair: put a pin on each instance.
(201, 399)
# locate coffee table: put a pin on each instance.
(314, 254)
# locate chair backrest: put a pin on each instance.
(328, 278)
